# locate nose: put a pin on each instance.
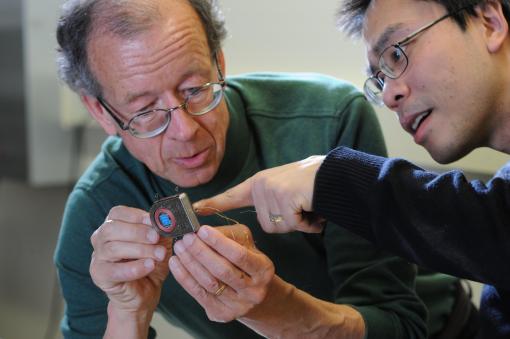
(182, 127)
(395, 91)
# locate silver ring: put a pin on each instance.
(275, 218)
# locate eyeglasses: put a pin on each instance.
(393, 62)
(150, 123)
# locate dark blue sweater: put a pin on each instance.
(443, 222)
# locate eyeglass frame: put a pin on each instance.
(125, 126)
(398, 45)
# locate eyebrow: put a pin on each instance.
(131, 97)
(384, 39)
(382, 43)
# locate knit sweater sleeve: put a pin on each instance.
(442, 222)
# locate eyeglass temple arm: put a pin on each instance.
(112, 114)
(220, 74)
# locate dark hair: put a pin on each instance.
(351, 14)
(125, 18)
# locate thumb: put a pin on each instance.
(235, 197)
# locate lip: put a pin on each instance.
(193, 161)
(408, 120)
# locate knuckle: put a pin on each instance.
(255, 295)
(244, 229)
(93, 238)
(241, 257)
(108, 250)
(196, 251)
(199, 292)
(212, 285)
(93, 268)
(115, 212)
(225, 273)
(104, 232)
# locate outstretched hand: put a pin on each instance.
(282, 197)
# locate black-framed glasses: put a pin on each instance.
(150, 123)
(393, 62)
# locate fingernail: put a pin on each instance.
(152, 236)
(179, 247)
(203, 233)
(148, 263)
(160, 253)
(188, 239)
(173, 263)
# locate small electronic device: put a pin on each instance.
(174, 216)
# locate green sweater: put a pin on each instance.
(274, 119)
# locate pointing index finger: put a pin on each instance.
(235, 197)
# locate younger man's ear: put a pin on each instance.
(494, 24)
(99, 114)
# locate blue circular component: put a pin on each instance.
(165, 220)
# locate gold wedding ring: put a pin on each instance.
(220, 290)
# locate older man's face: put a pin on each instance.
(157, 69)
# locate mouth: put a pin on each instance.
(194, 161)
(413, 123)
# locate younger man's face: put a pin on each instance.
(445, 97)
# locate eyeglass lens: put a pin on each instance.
(151, 123)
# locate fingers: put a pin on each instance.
(116, 240)
(280, 196)
(226, 260)
(225, 277)
(220, 308)
(210, 283)
(106, 275)
(196, 255)
(129, 214)
(126, 248)
(236, 197)
(126, 224)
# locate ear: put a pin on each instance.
(99, 114)
(494, 24)
(220, 57)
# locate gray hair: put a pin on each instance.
(125, 18)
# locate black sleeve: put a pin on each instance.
(442, 222)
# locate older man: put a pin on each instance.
(151, 73)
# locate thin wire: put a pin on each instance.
(218, 213)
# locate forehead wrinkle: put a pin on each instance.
(148, 64)
(144, 63)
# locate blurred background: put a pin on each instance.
(47, 139)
